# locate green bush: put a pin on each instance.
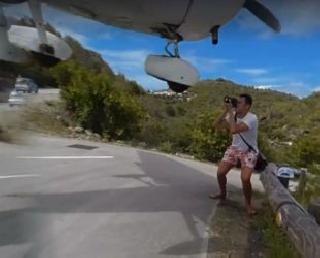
(181, 111)
(305, 153)
(180, 135)
(170, 111)
(96, 104)
(166, 147)
(208, 144)
(307, 149)
(153, 133)
(276, 242)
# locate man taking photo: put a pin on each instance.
(243, 126)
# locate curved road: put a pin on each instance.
(102, 200)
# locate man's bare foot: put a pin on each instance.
(222, 198)
(251, 211)
(218, 196)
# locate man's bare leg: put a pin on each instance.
(222, 172)
(247, 189)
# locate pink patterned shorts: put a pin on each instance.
(247, 158)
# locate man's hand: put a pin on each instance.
(234, 127)
(230, 112)
(221, 121)
(228, 107)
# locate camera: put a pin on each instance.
(233, 101)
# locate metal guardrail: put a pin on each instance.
(299, 225)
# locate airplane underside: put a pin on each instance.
(176, 21)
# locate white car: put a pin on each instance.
(16, 98)
(26, 85)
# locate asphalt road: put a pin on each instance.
(109, 201)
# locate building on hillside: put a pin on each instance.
(169, 94)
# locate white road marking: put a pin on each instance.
(18, 176)
(65, 157)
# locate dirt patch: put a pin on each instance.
(45, 118)
(11, 127)
(232, 234)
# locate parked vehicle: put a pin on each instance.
(16, 98)
(26, 85)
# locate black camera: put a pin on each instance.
(233, 101)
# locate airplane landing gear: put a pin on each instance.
(36, 11)
(177, 72)
(8, 51)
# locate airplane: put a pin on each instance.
(173, 20)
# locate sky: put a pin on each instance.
(248, 52)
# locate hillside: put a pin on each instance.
(281, 113)
(284, 119)
(89, 59)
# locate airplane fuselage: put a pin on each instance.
(190, 19)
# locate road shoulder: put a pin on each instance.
(231, 232)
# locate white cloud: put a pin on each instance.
(205, 64)
(266, 80)
(299, 88)
(131, 63)
(317, 88)
(106, 35)
(69, 32)
(126, 60)
(252, 71)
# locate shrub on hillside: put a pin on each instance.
(96, 104)
(306, 149)
(208, 143)
(153, 133)
(170, 111)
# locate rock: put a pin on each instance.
(78, 129)
(88, 132)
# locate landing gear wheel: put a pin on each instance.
(45, 60)
(44, 48)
